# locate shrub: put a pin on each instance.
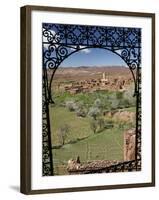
(119, 95)
(81, 112)
(114, 104)
(124, 125)
(109, 124)
(98, 103)
(121, 125)
(124, 103)
(94, 112)
(71, 105)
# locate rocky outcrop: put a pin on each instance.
(125, 116)
(120, 115)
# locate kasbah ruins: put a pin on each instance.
(91, 85)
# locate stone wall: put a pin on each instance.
(129, 145)
(100, 166)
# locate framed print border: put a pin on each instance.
(26, 95)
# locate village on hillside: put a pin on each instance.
(92, 85)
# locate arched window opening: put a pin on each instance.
(93, 111)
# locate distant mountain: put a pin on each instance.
(86, 67)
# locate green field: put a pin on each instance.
(79, 127)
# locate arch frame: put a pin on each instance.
(60, 41)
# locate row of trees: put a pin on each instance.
(109, 99)
(113, 101)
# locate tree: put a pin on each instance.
(63, 133)
(98, 103)
(129, 96)
(114, 101)
(71, 106)
(109, 124)
(101, 123)
(94, 112)
(114, 104)
(81, 112)
(124, 103)
(107, 103)
(93, 125)
(119, 95)
(80, 105)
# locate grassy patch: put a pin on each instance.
(131, 109)
(79, 127)
(107, 145)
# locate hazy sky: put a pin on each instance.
(93, 57)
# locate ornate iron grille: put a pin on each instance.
(59, 41)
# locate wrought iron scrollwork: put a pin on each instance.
(60, 41)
